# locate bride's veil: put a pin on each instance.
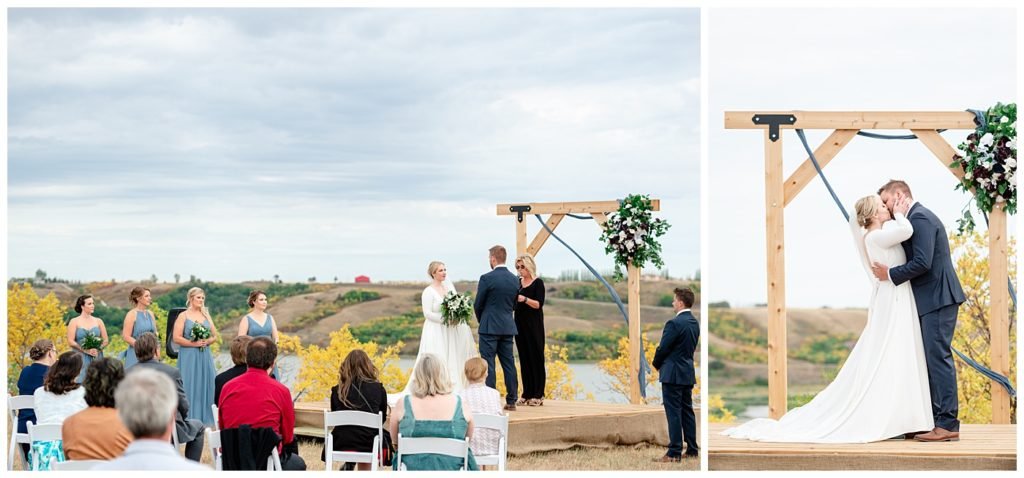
(862, 252)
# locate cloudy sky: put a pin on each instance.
(239, 144)
(845, 60)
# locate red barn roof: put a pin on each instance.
(362, 280)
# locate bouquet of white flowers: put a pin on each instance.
(456, 309)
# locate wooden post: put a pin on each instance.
(999, 328)
(520, 237)
(633, 290)
(775, 239)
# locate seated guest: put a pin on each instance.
(257, 400)
(190, 430)
(238, 346)
(97, 433)
(147, 405)
(358, 389)
(43, 355)
(58, 398)
(481, 399)
(432, 411)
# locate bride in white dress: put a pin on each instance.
(453, 345)
(881, 391)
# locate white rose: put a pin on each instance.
(1012, 143)
(986, 140)
(999, 199)
(968, 176)
(1004, 120)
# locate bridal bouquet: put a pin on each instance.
(91, 341)
(199, 332)
(456, 309)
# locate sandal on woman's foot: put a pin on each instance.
(522, 401)
(535, 402)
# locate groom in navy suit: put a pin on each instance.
(674, 362)
(496, 295)
(938, 295)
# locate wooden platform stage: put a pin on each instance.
(981, 447)
(557, 425)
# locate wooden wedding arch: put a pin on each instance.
(780, 191)
(599, 210)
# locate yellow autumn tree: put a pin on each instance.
(319, 366)
(30, 318)
(618, 369)
(972, 336)
(560, 383)
(717, 413)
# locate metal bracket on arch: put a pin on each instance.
(773, 122)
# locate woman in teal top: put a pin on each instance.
(82, 326)
(432, 411)
(137, 321)
(258, 323)
(194, 359)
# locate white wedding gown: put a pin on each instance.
(453, 345)
(882, 389)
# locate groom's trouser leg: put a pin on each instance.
(508, 367)
(689, 422)
(937, 330)
(672, 399)
(488, 347)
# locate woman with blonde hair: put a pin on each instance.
(431, 410)
(137, 321)
(453, 344)
(860, 405)
(529, 317)
(194, 358)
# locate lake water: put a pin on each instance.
(587, 374)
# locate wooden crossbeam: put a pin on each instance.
(585, 207)
(600, 217)
(824, 154)
(858, 119)
(940, 148)
(543, 235)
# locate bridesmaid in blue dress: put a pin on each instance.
(258, 323)
(137, 321)
(194, 358)
(83, 325)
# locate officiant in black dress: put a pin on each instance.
(529, 317)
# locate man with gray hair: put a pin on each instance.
(146, 403)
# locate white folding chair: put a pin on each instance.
(492, 422)
(75, 465)
(216, 416)
(353, 418)
(274, 461)
(42, 433)
(14, 404)
(437, 446)
(213, 443)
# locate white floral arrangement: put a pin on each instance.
(456, 309)
(632, 233)
(989, 160)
